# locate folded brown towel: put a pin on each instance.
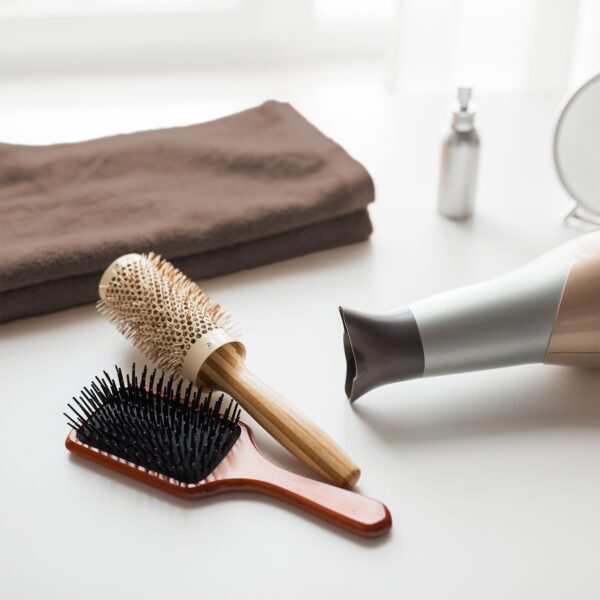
(248, 189)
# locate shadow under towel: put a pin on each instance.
(249, 189)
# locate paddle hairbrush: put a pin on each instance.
(174, 439)
(175, 325)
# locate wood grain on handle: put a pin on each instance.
(349, 510)
(225, 369)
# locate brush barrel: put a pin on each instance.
(225, 369)
(546, 311)
(174, 323)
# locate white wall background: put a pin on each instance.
(419, 45)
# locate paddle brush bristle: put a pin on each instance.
(157, 425)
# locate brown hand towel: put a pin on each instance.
(252, 188)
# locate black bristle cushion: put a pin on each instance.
(159, 426)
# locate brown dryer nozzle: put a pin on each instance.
(380, 349)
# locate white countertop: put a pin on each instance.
(492, 478)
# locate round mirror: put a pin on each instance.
(577, 149)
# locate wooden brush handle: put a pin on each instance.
(225, 370)
(358, 514)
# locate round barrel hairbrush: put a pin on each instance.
(176, 439)
(176, 325)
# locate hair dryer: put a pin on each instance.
(547, 311)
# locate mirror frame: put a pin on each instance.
(594, 212)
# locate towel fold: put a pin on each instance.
(251, 188)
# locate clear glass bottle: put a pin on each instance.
(459, 162)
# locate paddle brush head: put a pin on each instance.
(153, 429)
(165, 314)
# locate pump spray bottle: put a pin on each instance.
(460, 157)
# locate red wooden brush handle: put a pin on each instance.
(346, 509)
(246, 469)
